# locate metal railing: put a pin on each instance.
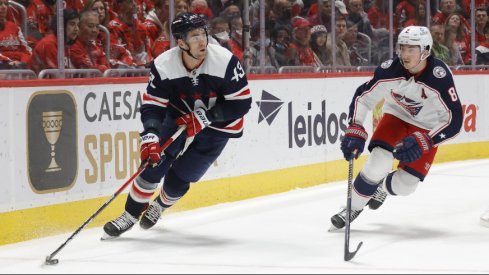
(263, 70)
(296, 69)
(69, 73)
(17, 74)
(126, 72)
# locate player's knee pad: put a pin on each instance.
(378, 165)
(401, 183)
(174, 186)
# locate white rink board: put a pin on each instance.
(105, 133)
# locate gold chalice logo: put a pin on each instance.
(52, 122)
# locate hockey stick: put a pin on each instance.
(349, 255)
(50, 260)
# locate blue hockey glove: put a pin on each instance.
(353, 142)
(412, 147)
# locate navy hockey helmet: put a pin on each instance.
(186, 22)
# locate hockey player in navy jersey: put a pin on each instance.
(202, 86)
(421, 110)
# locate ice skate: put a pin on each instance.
(338, 221)
(377, 199)
(151, 215)
(118, 226)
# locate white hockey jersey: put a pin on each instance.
(427, 100)
(219, 85)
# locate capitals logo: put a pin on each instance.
(411, 106)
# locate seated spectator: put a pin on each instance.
(439, 50)
(300, 49)
(255, 48)
(102, 10)
(219, 29)
(419, 18)
(280, 44)
(447, 7)
(129, 40)
(319, 37)
(76, 5)
(156, 22)
(479, 4)
(282, 12)
(181, 6)
(481, 21)
(324, 16)
(405, 10)
(342, 54)
(378, 13)
(143, 7)
(359, 46)
(201, 7)
(455, 55)
(45, 54)
(14, 51)
(234, 44)
(15, 15)
(358, 16)
(230, 12)
(482, 51)
(455, 24)
(85, 52)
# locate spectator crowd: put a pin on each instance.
(114, 34)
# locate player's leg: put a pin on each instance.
(137, 200)
(377, 166)
(143, 187)
(189, 167)
(404, 181)
(389, 130)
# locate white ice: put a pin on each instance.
(434, 230)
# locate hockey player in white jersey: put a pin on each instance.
(196, 84)
(421, 110)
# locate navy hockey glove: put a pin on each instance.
(353, 142)
(150, 148)
(412, 147)
(196, 121)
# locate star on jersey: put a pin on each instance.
(442, 136)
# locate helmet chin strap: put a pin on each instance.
(188, 51)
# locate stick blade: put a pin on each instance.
(50, 261)
(350, 255)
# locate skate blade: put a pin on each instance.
(106, 237)
(333, 229)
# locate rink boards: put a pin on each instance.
(66, 146)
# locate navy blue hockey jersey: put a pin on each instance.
(219, 85)
(427, 100)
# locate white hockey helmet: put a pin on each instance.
(416, 35)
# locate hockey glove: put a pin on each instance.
(150, 148)
(196, 121)
(353, 142)
(412, 147)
